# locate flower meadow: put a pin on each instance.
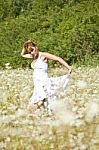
(73, 125)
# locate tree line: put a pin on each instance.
(67, 28)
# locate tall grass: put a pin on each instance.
(74, 124)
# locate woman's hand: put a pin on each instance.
(69, 72)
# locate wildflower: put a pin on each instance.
(67, 118)
(7, 66)
(8, 139)
(97, 129)
(91, 111)
(5, 119)
(2, 145)
(62, 113)
(81, 84)
(15, 131)
(20, 112)
(3, 95)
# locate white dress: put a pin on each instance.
(44, 86)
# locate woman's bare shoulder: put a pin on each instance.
(43, 53)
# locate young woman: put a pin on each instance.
(45, 88)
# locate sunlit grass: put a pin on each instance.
(74, 124)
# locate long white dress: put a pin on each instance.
(44, 86)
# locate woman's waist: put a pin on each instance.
(40, 77)
(39, 65)
(42, 70)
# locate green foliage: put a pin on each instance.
(69, 29)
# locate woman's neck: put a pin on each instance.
(35, 56)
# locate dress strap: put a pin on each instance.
(40, 53)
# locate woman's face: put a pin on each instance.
(31, 48)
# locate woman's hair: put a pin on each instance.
(25, 46)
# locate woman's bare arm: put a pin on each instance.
(26, 55)
(56, 58)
